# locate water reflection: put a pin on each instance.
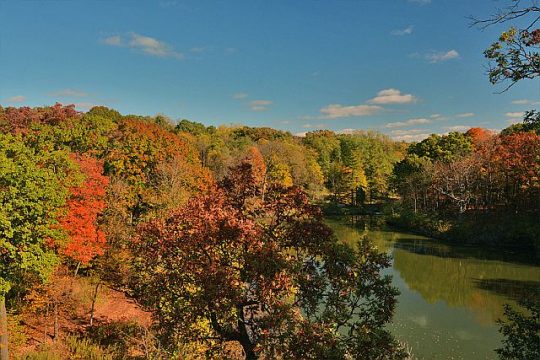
(451, 296)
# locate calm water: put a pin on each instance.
(450, 296)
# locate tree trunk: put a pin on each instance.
(4, 355)
(94, 298)
(55, 309)
(245, 341)
(77, 269)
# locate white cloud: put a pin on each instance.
(16, 99)
(239, 96)
(392, 96)
(436, 57)
(525, 102)
(515, 115)
(465, 115)
(417, 121)
(410, 136)
(69, 93)
(407, 31)
(260, 105)
(420, 2)
(406, 132)
(85, 106)
(460, 128)
(145, 44)
(115, 40)
(334, 111)
(346, 131)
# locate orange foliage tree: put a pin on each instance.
(87, 201)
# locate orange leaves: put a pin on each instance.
(479, 135)
(85, 240)
(518, 155)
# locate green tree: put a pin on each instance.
(31, 193)
(521, 331)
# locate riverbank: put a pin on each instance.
(494, 230)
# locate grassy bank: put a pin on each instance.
(494, 229)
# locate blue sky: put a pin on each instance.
(403, 67)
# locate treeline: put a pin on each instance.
(476, 186)
(348, 167)
(212, 230)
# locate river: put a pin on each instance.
(451, 296)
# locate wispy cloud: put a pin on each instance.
(515, 114)
(410, 122)
(460, 128)
(440, 56)
(409, 135)
(239, 95)
(465, 115)
(16, 99)
(85, 106)
(334, 111)
(525, 102)
(145, 44)
(314, 126)
(392, 96)
(114, 40)
(167, 3)
(260, 105)
(420, 2)
(400, 32)
(68, 93)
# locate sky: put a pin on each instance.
(406, 68)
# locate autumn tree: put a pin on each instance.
(86, 202)
(515, 55)
(230, 266)
(31, 194)
(145, 156)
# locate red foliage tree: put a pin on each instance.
(17, 120)
(85, 240)
(517, 157)
(267, 273)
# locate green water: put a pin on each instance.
(450, 296)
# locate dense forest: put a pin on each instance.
(215, 233)
(140, 237)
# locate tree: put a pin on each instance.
(265, 273)
(143, 154)
(515, 55)
(85, 240)
(521, 331)
(31, 194)
(479, 135)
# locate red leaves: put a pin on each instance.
(18, 120)
(519, 156)
(83, 208)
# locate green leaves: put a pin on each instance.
(31, 194)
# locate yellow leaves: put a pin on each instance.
(509, 35)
